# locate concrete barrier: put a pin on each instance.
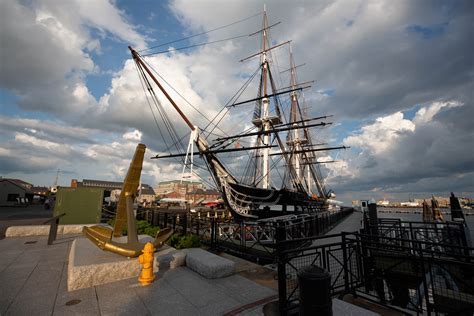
(43, 230)
(208, 264)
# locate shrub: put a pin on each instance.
(174, 240)
(188, 241)
(143, 227)
(182, 242)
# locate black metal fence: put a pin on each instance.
(253, 240)
(414, 276)
(341, 259)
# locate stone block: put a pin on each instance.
(178, 259)
(43, 230)
(90, 266)
(207, 264)
(29, 230)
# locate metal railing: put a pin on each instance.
(412, 276)
(252, 240)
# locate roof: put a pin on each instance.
(110, 185)
(19, 182)
(147, 190)
(197, 191)
(204, 192)
(101, 183)
(16, 184)
(178, 181)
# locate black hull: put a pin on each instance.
(247, 202)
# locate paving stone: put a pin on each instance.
(340, 307)
(159, 288)
(119, 298)
(220, 307)
(208, 264)
(7, 257)
(12, 281)
(243, 289)
(198, 290)
(170, 305)
(88, 304)
(258, 311)
(37, 304)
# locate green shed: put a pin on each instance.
(81, 205)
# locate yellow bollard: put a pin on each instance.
(146, 259)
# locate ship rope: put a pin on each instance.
(202, 33)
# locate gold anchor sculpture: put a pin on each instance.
(102, 236)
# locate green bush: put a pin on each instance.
(174, 240)
(188, 241)
(182, 242)
(143, 227)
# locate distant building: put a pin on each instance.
(106, 185)
(171, 195)
(13, 192)
(147, 194)
(19, 182)
(409, 204)
(113, 189)
(200, 195)
(41, 191)
(178, 186)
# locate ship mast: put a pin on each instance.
(265, 107)
(295, 135)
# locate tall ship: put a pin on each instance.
(280, 172)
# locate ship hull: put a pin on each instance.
(247, 202)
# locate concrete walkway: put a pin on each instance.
(351, 223)
(33, 280)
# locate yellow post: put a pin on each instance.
(146, 259)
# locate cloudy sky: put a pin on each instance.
(398, 76)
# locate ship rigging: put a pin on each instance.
(254, 196)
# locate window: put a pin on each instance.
(12, 197)
(363, 204)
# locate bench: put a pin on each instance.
(208, 264)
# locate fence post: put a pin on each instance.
(344, 257)
(425, 284)
(213, 233)
(185, 224)
(280, 236)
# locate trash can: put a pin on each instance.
(315, 294)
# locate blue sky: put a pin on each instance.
(397, 76)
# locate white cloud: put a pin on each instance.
(49, 51)
(133, 135)
(426, 114)
(397, 155)
(380, 135)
